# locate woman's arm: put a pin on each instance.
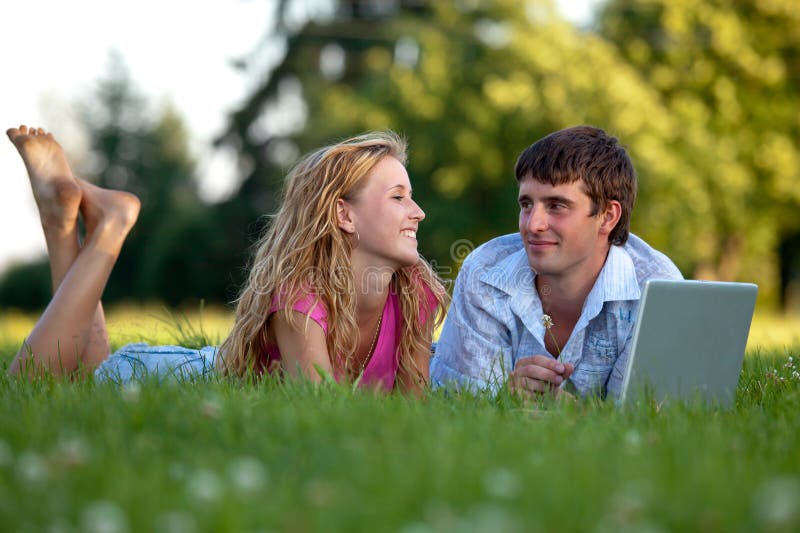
(302, 346)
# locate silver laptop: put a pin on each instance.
(689, 341)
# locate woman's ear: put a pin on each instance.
(344, 216)
(611, 215)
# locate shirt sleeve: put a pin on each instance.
(474, 350)
(311, 303)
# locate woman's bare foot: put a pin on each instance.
(109, 215)
(55, 190)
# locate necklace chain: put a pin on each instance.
(372, 345)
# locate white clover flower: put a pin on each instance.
(776, 503)
(104, 517)
(204, 487)
(502, 483)
(175, 522)
(59, 525)
(626, 508)
(211, 407)
(73, 451)
(547, 322)
(31, 469)
(248, 474)
(633, 439)
(489, 517)
(131, 392)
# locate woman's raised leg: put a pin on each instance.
(71, 331)
(58, 197)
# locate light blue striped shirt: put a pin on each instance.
(496, 318)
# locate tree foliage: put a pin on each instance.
(175, 250)
(149, 158)
(728, 75)
(702, 96)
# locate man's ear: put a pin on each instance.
(344, 216)
(610, 216)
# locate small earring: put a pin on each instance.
(358, 239)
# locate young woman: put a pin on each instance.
(337, 285)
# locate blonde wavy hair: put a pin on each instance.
(303, 250)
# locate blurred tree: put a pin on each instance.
(149, 158)
(471, 83)
(26, 286)
(729, 75)
(177, 252)
(790, 272)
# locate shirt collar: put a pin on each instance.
(616, 281)
(513, 275)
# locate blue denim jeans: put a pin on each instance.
(141, 361)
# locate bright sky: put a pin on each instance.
(52, 51)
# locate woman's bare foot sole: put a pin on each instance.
(55, 190)
(109, 214)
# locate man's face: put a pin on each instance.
(562, 238)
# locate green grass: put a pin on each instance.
(230, 456)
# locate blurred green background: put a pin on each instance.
(703, 94)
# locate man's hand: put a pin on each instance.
(539, 374)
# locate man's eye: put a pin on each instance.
(398, 197)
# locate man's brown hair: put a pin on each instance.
(591, 155)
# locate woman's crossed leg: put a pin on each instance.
(71, 333)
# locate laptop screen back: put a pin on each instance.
(689, 341)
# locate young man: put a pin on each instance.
(553, 307)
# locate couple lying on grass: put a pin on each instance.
(337, 287)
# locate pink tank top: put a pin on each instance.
(381, 370)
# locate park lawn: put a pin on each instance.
(229, 456)
(135, 323)
(155, 324)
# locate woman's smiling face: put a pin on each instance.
(386, 218)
